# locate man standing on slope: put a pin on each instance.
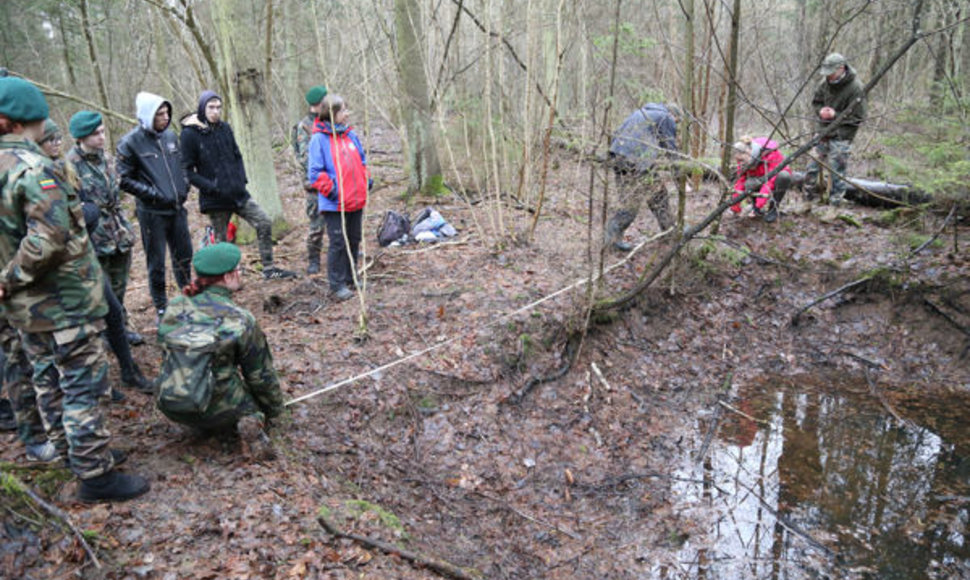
(214, 164)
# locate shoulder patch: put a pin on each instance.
(47, 183)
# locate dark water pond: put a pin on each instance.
(828, 482)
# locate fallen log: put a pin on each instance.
(876, 193)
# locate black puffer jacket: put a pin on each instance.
(214, 164)
(149, 163)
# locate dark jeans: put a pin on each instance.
(340, 267)
(157, 232)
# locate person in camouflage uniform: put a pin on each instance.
(113, 238)
(16, 373)
(245, 389)
(840, 91)
(302, 132)
(51, 292)
(647, 134)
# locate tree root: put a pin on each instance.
(440, 567)
(569, 354)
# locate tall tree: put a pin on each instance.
(424, 169)
(242, 66)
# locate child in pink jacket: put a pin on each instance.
(755, 158)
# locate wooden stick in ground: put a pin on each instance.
(57, 513)
(440, 567)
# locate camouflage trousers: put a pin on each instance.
(632, 188)
(254, 216)
(19, 388)
(71, 381)
(227, 407)
(314, 238)
(116, 268)
(834, 154)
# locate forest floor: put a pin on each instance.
(610, 471)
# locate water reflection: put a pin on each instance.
(827, 485)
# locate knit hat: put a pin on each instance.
(83, 123)
(832, 63)
(51, 130)
(216, 259)
(316, 94)
(20, 100)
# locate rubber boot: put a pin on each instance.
(112, 486)
(8, 422)
(132, 378)
(313, 258)
(618, 224)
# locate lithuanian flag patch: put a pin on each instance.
(48, 184)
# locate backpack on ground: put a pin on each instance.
(185, 381)
(393, 227)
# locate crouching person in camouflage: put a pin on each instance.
(51, 291)
(217, 371)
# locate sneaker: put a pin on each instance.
(117, 396)
(313, 268)
(277, 274)
(343, 293)
(112, 486)
(133, 338)
(771, 215)
(42, 453)
(8, 421)
(158, 316)
(255, 441)
(622, 246)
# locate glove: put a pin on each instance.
(370, 183)
(334, 195)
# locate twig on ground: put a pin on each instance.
(57, 513)
(441, 567)
(532, 519)
(939, 311)
(716, 421)
(436, 245)
(600, 376)
(863, 359)
(733, 409)
(938, 233)
(885, 403)
(827, 295)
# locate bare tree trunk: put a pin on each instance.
(423, 166)
(731, 105)
(241, 66)
(93, 55)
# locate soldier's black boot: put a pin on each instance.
(614, 232)
(112, 486)
(132, 378)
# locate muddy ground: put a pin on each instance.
(448, 454)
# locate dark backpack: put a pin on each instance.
(393, 227)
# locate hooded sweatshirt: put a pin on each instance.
(643, 136)
(212, 161)
(149, 161)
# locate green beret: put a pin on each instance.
(316, 94)
(216, 259)
(51, 130)
(22, 101)
(83, 123)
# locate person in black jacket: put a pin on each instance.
(150, 168)
(214, 164)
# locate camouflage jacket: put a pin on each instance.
(242, 364)
(302, 132)
(50, 272)
(99, 185)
